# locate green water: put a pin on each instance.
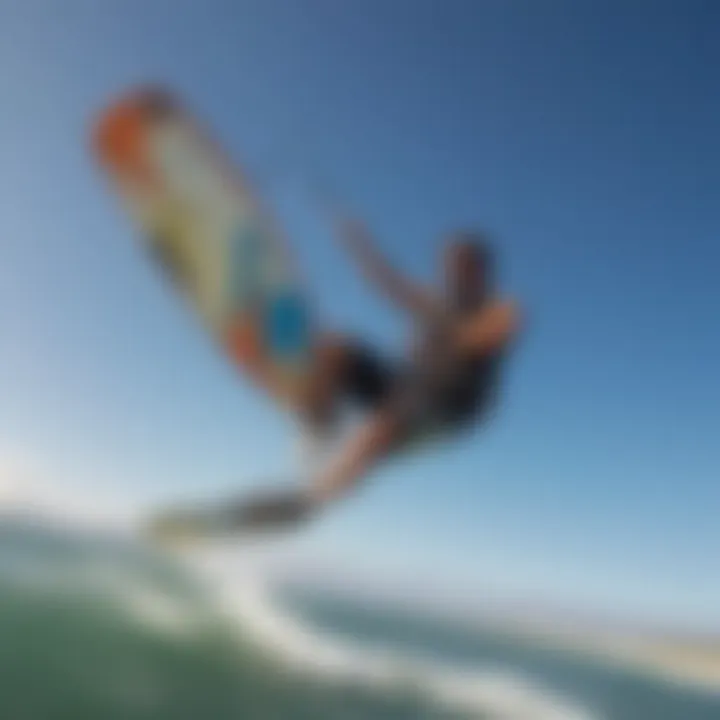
(72, 647)
(94, 629)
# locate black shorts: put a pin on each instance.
(372, 381)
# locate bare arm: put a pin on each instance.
(492, 329)
(402, 291)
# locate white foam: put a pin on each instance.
(494, 692)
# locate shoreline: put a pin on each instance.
(684, 658)
(689, 661)
(680, 662)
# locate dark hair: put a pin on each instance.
(472, 246)
(477, 244)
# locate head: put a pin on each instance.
(469, 268)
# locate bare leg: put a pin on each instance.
(373, 443)
(320, 402)
(285, 508)
(377, 439)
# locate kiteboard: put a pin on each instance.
(276, 510)
(203, 225)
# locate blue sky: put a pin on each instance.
(582, 135)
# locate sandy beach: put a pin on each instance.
(695, 662)
(690, 660)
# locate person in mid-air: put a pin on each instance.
(448, 382)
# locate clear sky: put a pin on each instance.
(583, 135)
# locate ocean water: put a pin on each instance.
(98, 628)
